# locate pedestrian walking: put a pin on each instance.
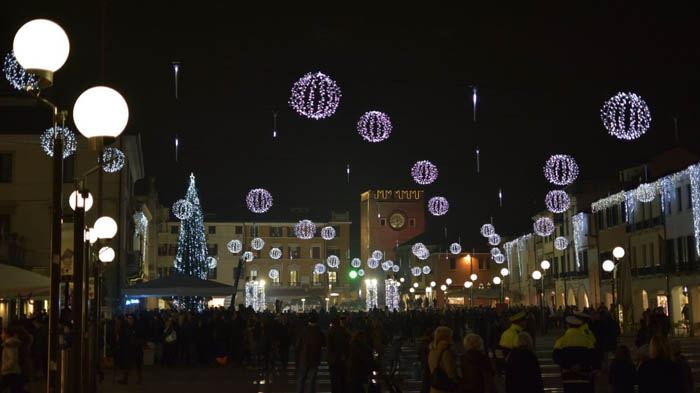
(574, 352)
(622, 376)
(338, 348)
(477, 373)
(11, 371)
(686, 371)
(360, 363)
(309, 345)
(659, 373)
(523, 374)
(442, 363)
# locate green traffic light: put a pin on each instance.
(353, 274)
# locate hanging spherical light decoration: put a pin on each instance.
(112, 159)
(418, 248)
(495, 239)
(374, 126)
(183, 209)
(320, 268)
(560, 243)
(385, 266)
(424, 172)
(257, 244)
(438, 206)
(424, 254)
(315, 96)
(333, 261)
(416, 271)
(557, 201)
(234, 246)
(395, 268)
(495, 251)
(426, 269)
(499, 259)
(372, 263)
(626, 116)
(212, 262)
(561, 169)
(305, 229)
(487, 230)
(273, 274)
(69, 142)
(18, 77)
(378, 255)
(259, 200)
(356, 262)
(390, 263)
(275, 253)
(645, 192)
(248, 256)
(361, 272)
(543, 226)
(328, 233)
(455, 248)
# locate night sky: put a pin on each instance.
(542, 77)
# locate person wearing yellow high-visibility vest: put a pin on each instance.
(574, 352)
(509, 338)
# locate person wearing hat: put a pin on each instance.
(586, 319)
(509, 338)
(575, 354)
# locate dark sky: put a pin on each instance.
(542, 74)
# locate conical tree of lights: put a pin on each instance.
(192, 252)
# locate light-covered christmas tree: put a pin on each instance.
(192, 252)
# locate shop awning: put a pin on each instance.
(178, 285)
(18, 282)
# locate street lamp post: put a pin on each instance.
(497, 281)
(545, 265)
(537, 275)
(470, 285)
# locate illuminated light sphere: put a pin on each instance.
(468, 284)
(411, 290)
(273, 274)
(275, 253)
(505, 272)
(497, 280)
(560, 243)
(305, 229)
(106, 254)
(433, 284)
(257, 244)
(448, 281)
(499, 259)
(455, 248)
(418, 249)
(212, 262)
(259, 200)
(248, 256)
(438, 206)
(374, 126)
(234, 246)
(536, 275)
(495, 251)
(320, 268)
(385, 266)
(353, 274)
(423, 254)
(416, 285)
(333, 261)
(378, 255)
(443, 287)
(100, 112)
(41, 44)
(112, 159)
(183, 209)
(390, 263)
(361, 272)
(557, 201)
(626, 116)
(618, 252)
(328, 233)
(76, 199)
(395, 268)
(372, 263)
(645, 193)
(487, 230)
(426, 269)
(495, 239)
(416, 271)
(315, 96)
(356, 262)
(424, 172)
(543, 226)
(106, 227)
(608, 265)
(545, 264)
(18, 77)
(561, 169)
(69, 143)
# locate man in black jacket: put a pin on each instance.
(338, 347)
(309, 345)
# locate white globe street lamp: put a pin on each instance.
(497, 280)
(473, 277)
(618, 252)
(415, 285)
(41, 47)
(76, 200)
(608, 265)
(449, 281)
(100, 112)
(505, 272)
(105, 227)
(468, 284)
(536, 275)
(106, 254)
(545, 264)
(411, 290)
(433, 284)
(443, 287)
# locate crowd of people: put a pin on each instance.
(477, 349)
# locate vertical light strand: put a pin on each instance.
(694, 174)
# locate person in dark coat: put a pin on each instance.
(659, 373)
(423, 352)
(687, 372)
(338, 347)
(284, 337)
(622, 373)
(131, 343)
(477, 373)
(359, 363)
(309, 345)
(523, 374)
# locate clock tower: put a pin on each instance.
(389, 217)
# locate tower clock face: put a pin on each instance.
(397, 221)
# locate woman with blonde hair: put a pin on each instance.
(659, 373)
(477, 374)
(441, 359)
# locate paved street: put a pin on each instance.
(222, 379)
